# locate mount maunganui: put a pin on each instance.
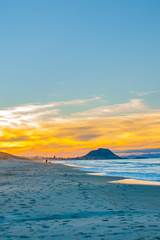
(101, 153)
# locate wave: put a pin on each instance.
(148, 169)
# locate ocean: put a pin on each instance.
(140, 169)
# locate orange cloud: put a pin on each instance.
(43, 130)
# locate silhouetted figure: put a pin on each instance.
(46, 161)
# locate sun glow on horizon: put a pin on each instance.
(44, 130)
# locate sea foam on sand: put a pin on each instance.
(137, 182)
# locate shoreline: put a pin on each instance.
(119, 179)
(54, 201)
(112, 179)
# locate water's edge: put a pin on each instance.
(146, 169)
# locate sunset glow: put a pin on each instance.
(45, 130)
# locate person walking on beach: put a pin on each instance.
(46, 161)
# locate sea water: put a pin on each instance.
(141, 169)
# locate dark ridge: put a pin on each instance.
(101, 153)
(7, 156)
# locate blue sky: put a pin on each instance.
(65, 50)
(79, 74)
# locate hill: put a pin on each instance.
(101, 153)
(7, 156)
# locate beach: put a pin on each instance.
(54, 201)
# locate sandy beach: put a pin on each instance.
(53, 201)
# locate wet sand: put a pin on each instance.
(53, 201)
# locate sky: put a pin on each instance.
(79, 75)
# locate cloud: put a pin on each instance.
(43, 129)
(132, 106)
(14, 139)
(86, 137)
(32, 114)
(148, 150)
(144, 93)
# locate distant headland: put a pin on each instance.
(101, 153)
(98, 154)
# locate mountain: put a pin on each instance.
(101, 153)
